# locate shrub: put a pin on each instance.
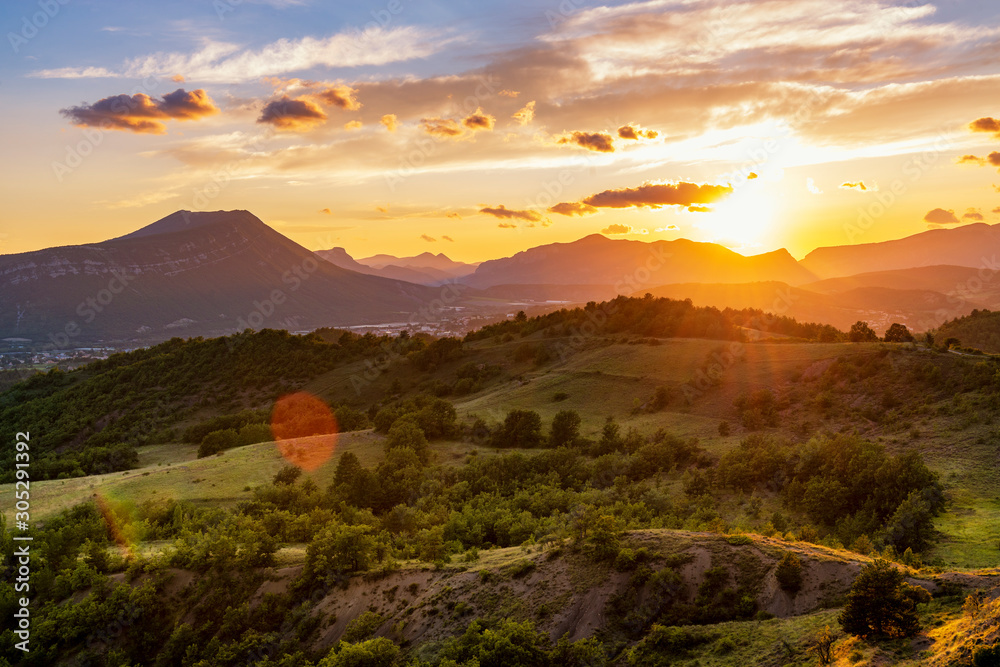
(363, 627)
(789, 573)
(879, 604)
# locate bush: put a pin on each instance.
(880, 604)
(363, 627)
(987, 657)
(789, 573)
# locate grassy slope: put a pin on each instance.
(600, 381)
(174, 471)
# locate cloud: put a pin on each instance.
(939, 216)
(444, 128)
(699, 209)
(177, 78)
(996, 210)
(972, 159)
(141, 113)
(985, 125)
(389, 121)
(507, 225)
(509, 93)
(616, 229)
(636, 133)
(447, 238)
(429, 239)
(505, 213)
(479, 120)
(457, 216)
(353, 125)
(296, 115)
(859, 187)
(973, 214)
(140, 201)
(340, 96)
(572, 208)
(668, 228)
(382, 209)
(222, 62)
(811, 186)
(326, 211)
(752, 176)
(525, 114)
(655, 195)
(994, 158)
(592, 141)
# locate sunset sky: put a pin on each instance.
(479, 129)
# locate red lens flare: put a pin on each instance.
(304, 429)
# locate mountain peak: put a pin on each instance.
(184, 220)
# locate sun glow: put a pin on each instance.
(743, 218)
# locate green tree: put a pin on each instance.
(405, 434)
(340, 548)
(789, 573)
(880, 604)
(861, 333)
(378, 652)
(565, 428)
(898, 333)
(521, 428)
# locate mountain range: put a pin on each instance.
(190, 273)
(198, 273)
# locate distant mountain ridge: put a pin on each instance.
(598, 260)
(976, 245)
(421, 275)
(192, 273)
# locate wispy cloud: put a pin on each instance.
(223, 62)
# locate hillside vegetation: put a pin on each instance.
(541, 493)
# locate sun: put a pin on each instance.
(742, 219)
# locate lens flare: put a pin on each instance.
(114, 525)
(304, 429)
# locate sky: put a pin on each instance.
(480, 129)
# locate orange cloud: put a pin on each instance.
(353, 125)
(509, 93)
(445, 128)
(655, 195)
(340, 96)
(572, 208)
(699, 209)
(507, 225)
(939, 216)
(972, 159)
(616, 229)
(326, 211)
(479, 120)
(177, 78)
(985, 125)
(429, 239)
(141, 113)
(296, 115)
(525, 114)
(859, 187)
(448, 238)
(503, 212)
(973, 214)
(389, 121)
(636, 133)
(592, 141)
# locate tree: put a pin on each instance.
(861, 333)
(406, 434)
(911, 525)
(898, 333)
(565, 428)
(340, 548)
(378, 652)
(823, 646)
(521, 428)
(789, 573)
(880, 604)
